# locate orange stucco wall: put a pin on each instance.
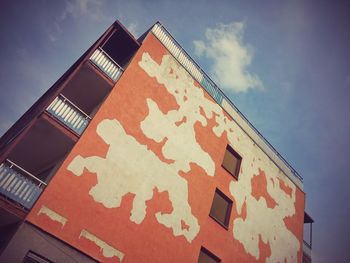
(148, 241)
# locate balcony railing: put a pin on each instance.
(186, 61)
(307, 249)
(19, 185)
(106, 64)
(217, 94)
(69, 114)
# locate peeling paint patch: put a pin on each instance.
(107, 250)
(261, 218)
(192, 105)
(117, 175)
(53, 215)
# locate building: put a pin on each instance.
(135, 155)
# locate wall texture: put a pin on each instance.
(138, 185)
(29, 238)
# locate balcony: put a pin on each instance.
(32, 160)
(31, 163)
(106, 64)
(19, 185)
(69, 114)
(306, 252)
(86, 89)
(307, 244)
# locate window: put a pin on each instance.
(205, 256)
(232, 161)
(221, 208)
(32, 257)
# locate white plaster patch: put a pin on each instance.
(107, 250)
(181, 144)
(53, 215)
(182, 147)
(130, 167)
(262, 220)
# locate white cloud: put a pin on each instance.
(231, 57)
(90, 8)
(199, 48)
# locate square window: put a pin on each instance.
(221, 208)
(205, 256)
(232, 161)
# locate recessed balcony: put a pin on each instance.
(32, 162)
(84, 93)
(68, 114)
(19, 185)
(86, 89)
(307, 244)
(106, 64)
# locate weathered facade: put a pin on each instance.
(143, 159)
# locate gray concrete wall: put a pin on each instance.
(30, 238)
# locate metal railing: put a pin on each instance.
(106, 64)
(206, 82)
(186, 61)
(69, 114)
(19, 185)
(307, 249)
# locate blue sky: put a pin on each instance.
(290, 77)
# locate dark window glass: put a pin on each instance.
(32, 257)
(205, 256)
(232, 161)
(221, 208)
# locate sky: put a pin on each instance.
(284, 64)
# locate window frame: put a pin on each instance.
(209, 253)
(226, 223)
(239, 161)
(35, 257)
